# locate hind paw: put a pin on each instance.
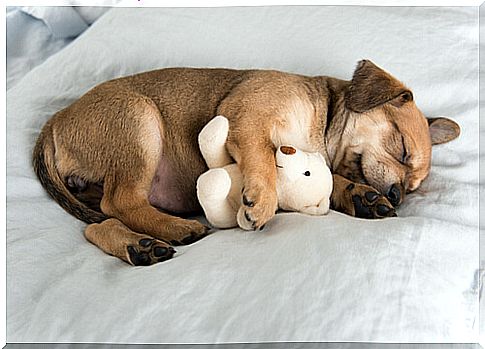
(149, 251)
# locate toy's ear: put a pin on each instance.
(318, 210)
(287, 150)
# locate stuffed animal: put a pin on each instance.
(303, 184)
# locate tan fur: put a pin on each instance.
(113, 237)
(119, 134)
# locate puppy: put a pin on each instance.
(125, 158)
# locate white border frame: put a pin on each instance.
(179, 3)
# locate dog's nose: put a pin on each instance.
(395, 194)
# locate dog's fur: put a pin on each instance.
(130, 145)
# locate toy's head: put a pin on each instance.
(304, 181)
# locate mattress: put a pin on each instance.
(412, 278)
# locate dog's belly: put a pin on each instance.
(172, 192)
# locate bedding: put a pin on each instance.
(35, 33)
(413, 278)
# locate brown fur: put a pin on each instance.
(371, 87)
(119, 134)
(45, 168)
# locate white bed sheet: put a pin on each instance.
(413, 278)
(35, 33)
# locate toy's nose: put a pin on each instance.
(287, 150)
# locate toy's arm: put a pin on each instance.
(212, 142)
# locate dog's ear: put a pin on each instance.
(442, 130)
(371, 86)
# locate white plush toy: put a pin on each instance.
(304, 182)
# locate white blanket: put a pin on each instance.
(35, 33)
(413, 278)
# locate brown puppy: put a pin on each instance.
(127, 150)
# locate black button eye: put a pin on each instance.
(307, 173)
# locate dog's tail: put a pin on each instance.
(45, 168)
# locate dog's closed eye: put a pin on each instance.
(405, 155)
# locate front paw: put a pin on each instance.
(363, 201)
(259, 205)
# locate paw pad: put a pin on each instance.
(371, 196)
(149, 251)
(369, 203)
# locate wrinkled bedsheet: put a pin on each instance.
(413, 278)
(35, 33)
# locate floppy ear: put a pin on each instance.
(371, 86)
(442, 130)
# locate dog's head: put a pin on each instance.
(387, 140)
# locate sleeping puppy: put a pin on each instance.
(125, 158)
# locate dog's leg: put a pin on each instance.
(114, 238)
(128, 165)
(359, 200)
(259, 200)
(261, 113)
(250, 145)
(128, 201)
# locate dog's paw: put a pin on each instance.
(363, 201)
(259, 205)
(149, 251)
(187, 232)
